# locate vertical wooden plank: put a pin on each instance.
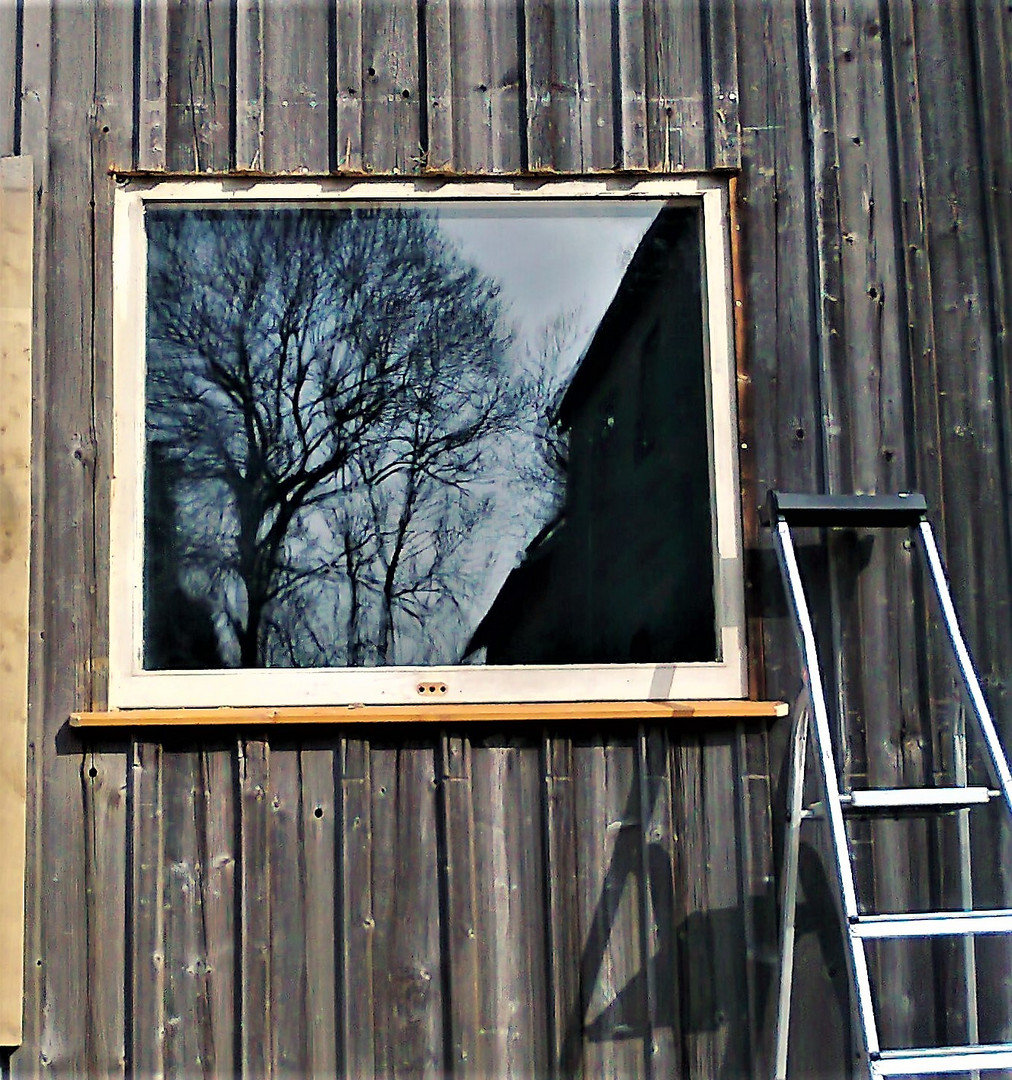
(68, 552)
(561, 872)
(10, 42)
(348, 87)
(16, 265)
(407, 985)
(676, 130)
(34, 112)
(152, 119)
(249, 86)
(288, 906)
(187, 1014)
(146, 957)
(391, 90)
(296, 91)
(319, 838)
(461, 943)
(631, 78)
(723, 132)
(216, 838)
(659, 905)
(256, 1024)
(473, 86)
(198, 125)
(358, 971)
(553, 86)
(615, 1033)
(511, 931)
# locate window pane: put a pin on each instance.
(444, 434)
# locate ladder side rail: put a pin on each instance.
(827, 768)
(789, 887)
(996, 755)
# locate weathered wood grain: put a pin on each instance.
(198, 122)
(296, 89)
(248, 88)
(319, 826)
(17, 198)
(407, 988)
(289, 904)
(461, 934)
(390, 88)
(152, 109)
(721, 77)
(473, 71)
(554, 86)
(506, 785)
(359, 974)
(256, 1024)
(10, 72)
(146, 958)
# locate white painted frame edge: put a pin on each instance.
(132, 687)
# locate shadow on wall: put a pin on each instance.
(693, 994)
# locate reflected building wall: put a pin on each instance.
(625, 574)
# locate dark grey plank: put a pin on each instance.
(506, 782)
(357, 922)
(146, 940)
(407, 987)
(255, 1022)
(319, 810)
(390, 88)
(631, 83)
(553, 86)
(461, 933)
(216, 809)
(288, 907)
(676, 130)
(473, 86)
(152, 108)
(612, 1019)
(296, 93)
(249, 86)
(349, 86)
(198, 124)
(724, 133)
(563, 944)
(9, 108)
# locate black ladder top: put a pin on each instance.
(841, 511)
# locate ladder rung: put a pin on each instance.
(897, 800)
(938, 1060)
(933, 924)
(870, 511)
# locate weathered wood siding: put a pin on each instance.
(544, 901)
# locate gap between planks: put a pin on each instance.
(726, 709)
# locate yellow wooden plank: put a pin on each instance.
(16, 206)
(448, 713)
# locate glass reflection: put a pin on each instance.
(467, 433)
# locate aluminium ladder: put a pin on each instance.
(781, 512)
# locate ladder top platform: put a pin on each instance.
(841, 511)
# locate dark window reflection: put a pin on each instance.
(456, 434)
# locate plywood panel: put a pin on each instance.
(16, 266)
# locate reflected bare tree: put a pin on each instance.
(327, 390)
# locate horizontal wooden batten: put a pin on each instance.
(431, 712)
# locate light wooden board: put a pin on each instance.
(450, 713)
(15, 526)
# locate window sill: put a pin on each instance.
(546, 712)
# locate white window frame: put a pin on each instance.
(130, 686)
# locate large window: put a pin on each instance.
(377, 441)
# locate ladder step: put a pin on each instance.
(933, 924)
(899, 800)
(938, 1060)
(839, 511)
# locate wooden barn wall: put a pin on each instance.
(538, 901)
